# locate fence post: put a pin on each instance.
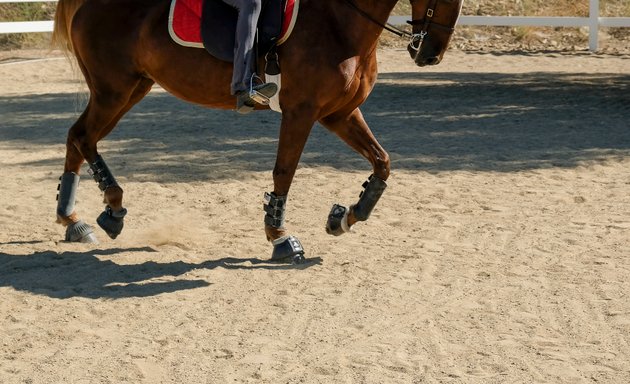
(593, 26)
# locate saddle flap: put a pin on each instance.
(218, 26)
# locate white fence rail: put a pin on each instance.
(593, 22)
(25, 26)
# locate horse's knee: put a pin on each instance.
(381, 165)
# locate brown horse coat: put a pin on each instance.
(329, 68)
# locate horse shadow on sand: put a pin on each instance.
(93, 275)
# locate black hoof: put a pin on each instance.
(80, 232)
(337, 223)
(298, 259)
(288, 247)
(112, 222)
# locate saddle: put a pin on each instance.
(211, 24)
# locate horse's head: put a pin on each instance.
(432, 27)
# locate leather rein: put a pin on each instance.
(416, 38)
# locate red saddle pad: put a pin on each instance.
(184, 22)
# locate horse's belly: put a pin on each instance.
(132, 36)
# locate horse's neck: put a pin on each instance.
(382, 7)
(368, 17)
(378, 9)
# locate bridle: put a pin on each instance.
(427, 22)
(416, 38)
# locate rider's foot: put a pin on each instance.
(245, 103)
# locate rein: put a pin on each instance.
(416, 38)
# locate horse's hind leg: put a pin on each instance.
(353, 129)
(105, 108)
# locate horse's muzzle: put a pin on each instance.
(427, 61)
(420, 59)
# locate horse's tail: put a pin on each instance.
(63, 22)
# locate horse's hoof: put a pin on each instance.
(288, 247)
(112, 222)
(298, 259)
(80, 232)
(337, 223)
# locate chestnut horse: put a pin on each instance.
(123, 47)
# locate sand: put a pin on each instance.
(500, 252)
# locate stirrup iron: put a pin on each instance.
(258, 97)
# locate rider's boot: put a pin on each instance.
(261, 93)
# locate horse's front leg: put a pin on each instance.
(294, 131)
(353, 129)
